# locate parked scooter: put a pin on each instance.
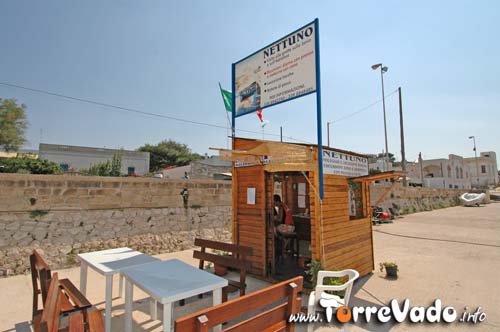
(379, 216)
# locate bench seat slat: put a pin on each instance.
(235, 249)
(75, 295)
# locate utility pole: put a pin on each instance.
(421, 162)
(281, 134)
(328, 132)
(403, 156)
(475, 154)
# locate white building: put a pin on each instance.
(380, 165)
(451, 173)
(77, 157)
(488, 170)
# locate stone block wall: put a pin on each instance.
(405, 200)
(65, 215)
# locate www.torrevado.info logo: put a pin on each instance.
(432, 314)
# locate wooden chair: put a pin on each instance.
(41, 275)
(48, 320)
(237, 260)
(269, 310)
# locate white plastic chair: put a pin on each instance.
(329, 300)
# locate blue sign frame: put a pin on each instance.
(318, 100)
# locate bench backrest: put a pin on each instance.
(49, 322)
(40, 278)
(275, 303)
(237, 260)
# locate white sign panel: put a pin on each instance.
(302, 188)
(345, 164)
(301, 202)
(281, 71)
(251, 196)
(277, 189)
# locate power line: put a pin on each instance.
(127, 109)
(363, 109)
(137, 111)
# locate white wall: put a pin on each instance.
(83, 158)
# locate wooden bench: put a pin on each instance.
(41, 275)
(269, 308)
(48, 320)
(237, 260)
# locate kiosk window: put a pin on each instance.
(356, 210)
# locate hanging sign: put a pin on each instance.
(279, 72)
(340, 163)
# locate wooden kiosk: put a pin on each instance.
(336, 231)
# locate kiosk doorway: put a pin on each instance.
(288, 224)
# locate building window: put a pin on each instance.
(131, 171)
(483, 169)
(456, 172)
(449, 171)
(64, 167)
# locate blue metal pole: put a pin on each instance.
(233, 103)
(318, 116)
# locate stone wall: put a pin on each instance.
(65, 215)
(406, 200)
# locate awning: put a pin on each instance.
(273, 156)
(379, 176)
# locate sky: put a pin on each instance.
(167, 57)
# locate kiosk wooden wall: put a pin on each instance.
(347, 243)
(249, 221)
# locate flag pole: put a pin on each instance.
(227, 117)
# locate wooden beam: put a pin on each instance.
(386, 192)
(378, 177)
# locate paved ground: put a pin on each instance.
(452, 254)
(460, 273)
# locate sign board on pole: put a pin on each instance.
(279, 72)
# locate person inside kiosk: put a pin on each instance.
(283, 223)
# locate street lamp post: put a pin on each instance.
(383, 69)
(475, 154)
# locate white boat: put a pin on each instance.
(470, 199)
(495, 194)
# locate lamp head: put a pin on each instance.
(375, 66)
(471, 137)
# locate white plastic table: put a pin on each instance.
(108, 263)
(167, 282)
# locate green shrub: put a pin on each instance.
(107, 168)
(28, 165)
(38, 213)
(335, 281)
